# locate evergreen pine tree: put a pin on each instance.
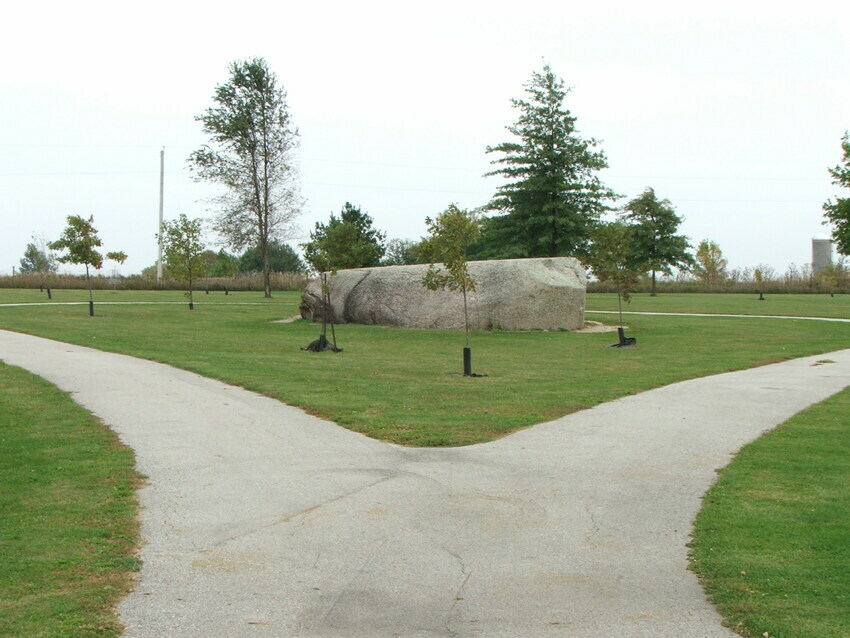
(347, 241)
(553, 197)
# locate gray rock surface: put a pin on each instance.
(511, 294)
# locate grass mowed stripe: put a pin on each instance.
(772, 542)
(69, 524)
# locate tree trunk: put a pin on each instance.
(467, 351)
(465, 316)
(267, 278)
(325, 305)
(91, 296)
(654, 293)
(620, 306)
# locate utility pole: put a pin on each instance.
(159, 228)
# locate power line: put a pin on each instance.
(701, 178)
(613, 176)
(454, 191)
(78, 173)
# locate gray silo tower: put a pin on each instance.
(821, 252)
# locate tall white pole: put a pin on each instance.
(159, 230)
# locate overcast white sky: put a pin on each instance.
(733, 111)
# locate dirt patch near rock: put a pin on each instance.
(591, 327)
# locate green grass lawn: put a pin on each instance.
(740, 304)
(68, 528)
(772, 542)
(403, 385)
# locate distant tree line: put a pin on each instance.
(221, 263)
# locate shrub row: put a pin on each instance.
(254, 281)
(773, 286)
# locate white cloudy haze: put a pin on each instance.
(733, 111)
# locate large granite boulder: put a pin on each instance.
(511, 294)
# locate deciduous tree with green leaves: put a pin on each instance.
(347, 241)
(838, 212)
(282, 258)
(221, 263)
(449, 236)
(183, 247)
(251, 154)
(38, 258)
(655, 244)
(612, 259)
(81, 241)
(401, 252)
(710, 265)
(553, 197)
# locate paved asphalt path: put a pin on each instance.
(260, 520)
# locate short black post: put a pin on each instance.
(41, 288)
(225, 291)
(91, 309)
(49, 296)
(761, 296)
(208, 290)
(467, 362)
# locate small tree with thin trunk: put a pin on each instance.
(183, 247)
(612, 259)
(710, 264)
(759, 278)
(81, 240)
(450, 235)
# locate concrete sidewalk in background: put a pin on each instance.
(260, 520)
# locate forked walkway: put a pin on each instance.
(260, 520)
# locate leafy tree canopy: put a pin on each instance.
(710, 264)
(347, 241)
(252, 140)
(221, 263)
(553, 197)
(120, 256)
(838, 212)
(612, 257)
(80, 241)
(450, 235)
(183, 248)
(38, 258)
(402, 252)
(282, 258)
(656, 246)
